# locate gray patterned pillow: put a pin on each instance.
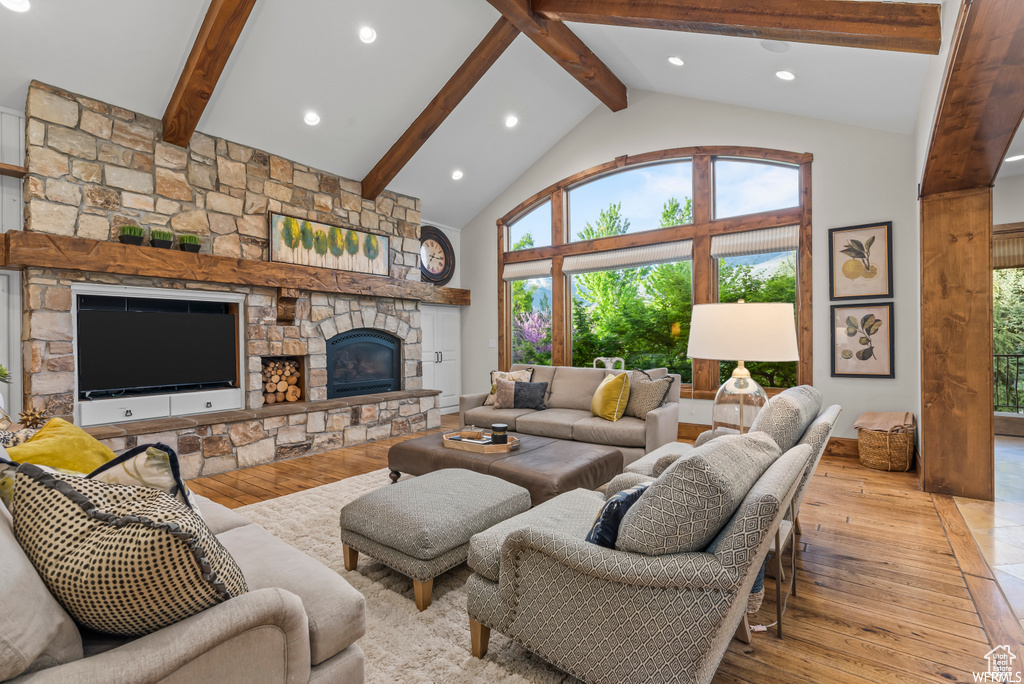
(686, 507)
(520, 395)
(787, 415)
(645, 393)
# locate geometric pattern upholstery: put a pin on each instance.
(563, 598)
(787, 415)
(645, 393)
(654, 463)
(684, 509)
(121, 559)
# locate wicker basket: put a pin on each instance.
(886, 450)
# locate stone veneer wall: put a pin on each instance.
(94, 167)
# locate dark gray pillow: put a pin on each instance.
(684, 509)
(530, 395)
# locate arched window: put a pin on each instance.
(610, 261)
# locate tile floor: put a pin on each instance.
(998, 526)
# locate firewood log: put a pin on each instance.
(280, 396)
(270, 398)
(292, 379)
(293, 393)
(282, 386)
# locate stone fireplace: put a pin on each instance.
(363, 361)
(95, 167)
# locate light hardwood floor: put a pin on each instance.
(892, 587)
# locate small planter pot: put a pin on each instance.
(188, 248)
(161, 244)
(130, 239)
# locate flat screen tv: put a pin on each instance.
(152, 351)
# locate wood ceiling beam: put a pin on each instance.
(982, 99)
(900, 26)
(458, 86)
(217, 37)
(562, 45)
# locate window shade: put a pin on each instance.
(1008, 252)
(633, 257)
(524, 270)
(763, 241)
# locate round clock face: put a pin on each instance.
(432, 256)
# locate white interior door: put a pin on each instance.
(448, 339)
(428, 328)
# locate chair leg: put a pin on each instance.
(423, 591)
(778, 584)
(796, 525)
(479, 635)
(351, 557)
(743, 631)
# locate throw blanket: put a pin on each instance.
(899, 421)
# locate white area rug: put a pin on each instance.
(401, 644)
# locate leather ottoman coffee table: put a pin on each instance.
(546, 467)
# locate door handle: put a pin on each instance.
(441, 355)
(209, 404)
(127, 413)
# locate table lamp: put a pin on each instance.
(741, 332)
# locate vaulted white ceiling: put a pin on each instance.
(295, 56)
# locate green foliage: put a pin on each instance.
(371, 247)
(188, 239)
(5, 375)
(1008, 335)
(522, 290)
(165, 235)
(337, 239)
(290, 233)
(320, 243)
(132, 230)
(352, 242)
(306, 234)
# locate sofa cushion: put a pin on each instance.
(646, 393)
(555, 423)
(626, 432)
(219, 518)
(571, 513)
(486, 416)
(606, 528)
(121, 559)
(540, 374)
(684, 509)
(786, 415)
(35, 632)
(610, 399)
(336, 611)
(521, 375)
(573, 388)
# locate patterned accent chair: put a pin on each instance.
(604, 615)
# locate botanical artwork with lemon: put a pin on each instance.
(861, 257)
(309, 243)
(862, 340)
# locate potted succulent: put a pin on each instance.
(188, 243)
(132, 235)
(161, 239)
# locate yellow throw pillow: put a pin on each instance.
(62, 445)
(611, 397)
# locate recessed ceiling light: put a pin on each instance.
(1016, 157)
(676, 61)
(16, 5)
(511, 120)
(456, 174)
(786, 75)
(312, 118)
(367, 34)
(775, 45)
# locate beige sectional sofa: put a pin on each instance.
(298, 623)
(568, 414)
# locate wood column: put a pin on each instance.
(956, 343)
(805, 284)
(504, 306)
(705, 269)
(561, 312)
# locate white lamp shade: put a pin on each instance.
(743, 332)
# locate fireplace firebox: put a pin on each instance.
(363, 361)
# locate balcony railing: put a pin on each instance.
(1008, 393)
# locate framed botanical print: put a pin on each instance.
(862, 340)
(860, 261)
(311, 243)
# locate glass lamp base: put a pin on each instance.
(737, 403)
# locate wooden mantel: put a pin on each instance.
(22, 249)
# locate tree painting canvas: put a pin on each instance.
(862, 341)
(310, 243)
(860, 261)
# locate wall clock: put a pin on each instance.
(437, 257)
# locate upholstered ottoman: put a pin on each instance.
(421, 527)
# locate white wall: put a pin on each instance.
(12, 151)
(859, 176)
(1008, 200)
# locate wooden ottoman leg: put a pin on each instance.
(479, 635)
(394, 475)
(423, 590)
(351, 557)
